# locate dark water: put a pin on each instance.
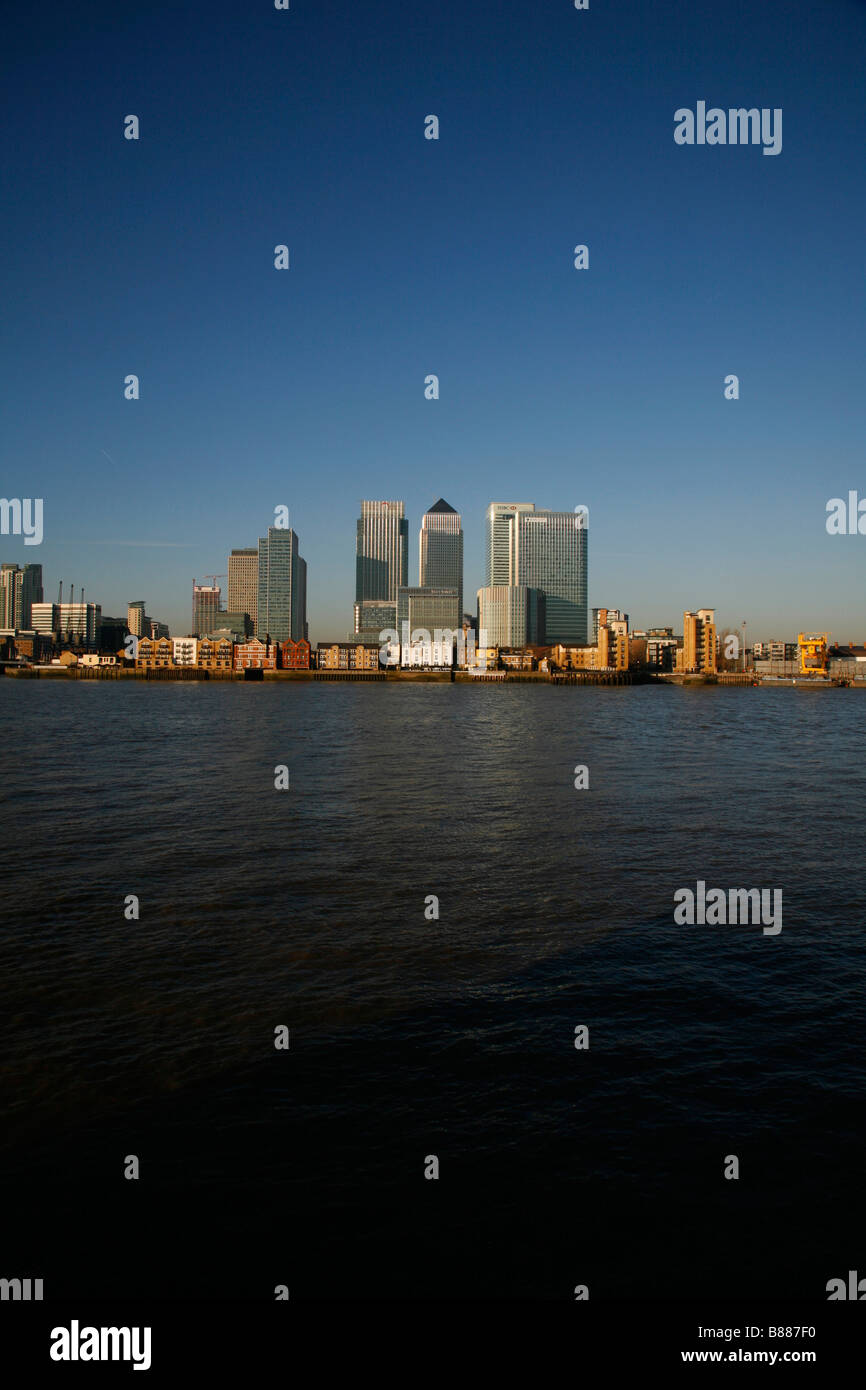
(412, 1037)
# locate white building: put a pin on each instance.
(184, 651)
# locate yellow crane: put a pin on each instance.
(813, 653)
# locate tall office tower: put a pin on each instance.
(7, 595)
(281, 604)
(30, 584)
(244, 582)
(431, 609)
(205, 606)
(440, 550)
(498, 543)
(19, 590)
(381, 552)
(549, 552)
(136, 618)
(509, 615)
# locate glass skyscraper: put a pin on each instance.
(281, 604)
(381, 563)
(498, 542)
(381, 551)
(547, 551)
(440, 548)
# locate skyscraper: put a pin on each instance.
(205, 607)
(550, 554)
(547, 551)
(509, 615)
(136, 618)
(243, 574)
(440, 551)
(497, 546)
(281, 603)
(381, 552)
(19, 590)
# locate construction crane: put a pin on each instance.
(813, 653)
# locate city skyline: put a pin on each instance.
(604, 385)
(498, 557)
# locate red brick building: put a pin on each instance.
(256, 655)
(295, 656)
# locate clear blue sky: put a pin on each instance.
(409, 256)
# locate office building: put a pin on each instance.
(430, 610)
(550, 553)
(498, 541)
(372, 617)
(243, 577)
(509, 615)
(381, 552)
(281, 604)
(440, 550)
(205, 607)
(545, 550)
(237, 625)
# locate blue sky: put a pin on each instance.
(306, 387)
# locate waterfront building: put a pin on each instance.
(216, 653)
(295, 656)
(256, 655)
(427, 655)
(698, 652)
(154, 652)
(184, 651)
(440, 552)
(347, 656)
(281, 606)
(612, 613)
(661, 647)
(243, 577)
